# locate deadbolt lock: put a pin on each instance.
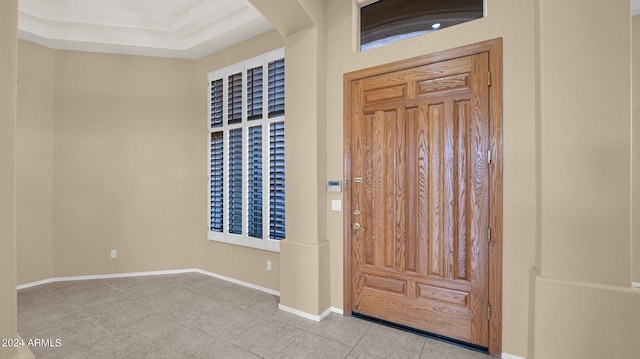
(356, 212)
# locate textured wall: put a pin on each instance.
(635, 36)
(584, 304)
(124, 166)
(34, 162)
(8, 95)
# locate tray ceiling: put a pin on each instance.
(166, 28)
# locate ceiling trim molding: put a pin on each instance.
(182, 29)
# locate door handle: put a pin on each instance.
(357, 226)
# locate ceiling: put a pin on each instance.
(165, 28)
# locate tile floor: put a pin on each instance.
(196, 316)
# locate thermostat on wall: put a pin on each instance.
(334, 186)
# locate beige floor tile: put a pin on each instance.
(391, 343)
(359, 354)
(186, 343)
(186, 304)
(434, 349)
(266, 338)
(79, 340)
(196, 316)
(224, 321)
(311, 346)
(288, 319)
(106, 304)
(346, 330)
(38, 319)
(82, 291)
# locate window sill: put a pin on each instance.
(245, 241)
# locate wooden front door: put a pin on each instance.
(419, 193)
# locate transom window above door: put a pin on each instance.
(386, 21)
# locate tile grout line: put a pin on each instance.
(353, 347)
(289, 343)
(422, 350)
(362, 337)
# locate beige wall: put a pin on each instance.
(512, 20)
(242, 263)
(585, 142)
(8, 97)
(34, 162)
(124, 164)
(636, 146)
(584, 305)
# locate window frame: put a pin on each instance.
(265, 243)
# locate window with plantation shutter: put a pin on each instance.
(246, 152)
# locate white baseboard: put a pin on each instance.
(300, 313)
(239, 282)
(510, 356)
(34, 284)
(316, 318)
(140, 274)
(104, 276)
(636, 284)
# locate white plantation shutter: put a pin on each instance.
(276, 88)
(254, 93)
(235, 181)
(234, 111)
(255, 179)
(276, 181)
(216, 171)
(246, 152)
(216, 103)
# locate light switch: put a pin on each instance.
(336, 205)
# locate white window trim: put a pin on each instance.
(243, 239)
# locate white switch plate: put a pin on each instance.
(336, 205)
(114, 253)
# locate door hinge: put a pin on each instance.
(489, 156)
(488, 312)
(489, 234)
(489, 76)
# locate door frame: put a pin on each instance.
(494, 49)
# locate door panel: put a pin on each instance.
(419, 143)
